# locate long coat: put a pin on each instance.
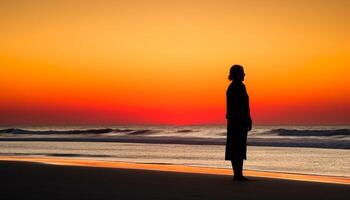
(238, 120)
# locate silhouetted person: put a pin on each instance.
(238, 121)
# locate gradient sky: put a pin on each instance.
(167, 62)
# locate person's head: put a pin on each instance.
(236, 73)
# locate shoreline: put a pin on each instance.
(176, 168)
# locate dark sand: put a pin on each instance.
(28, 180)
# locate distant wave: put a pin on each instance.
(122, 130)
(78, 131)
(287, 137)
(299, 132)
(142, 132)
(48, 132)
(319, 133)
(136, 132)
(184, 131)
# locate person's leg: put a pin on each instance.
(241, 166)
(233, 167)
(237, 167)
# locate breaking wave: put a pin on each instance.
(336, 137)
(169, 132)
(47, 132)
(78, 131)
(319, 133)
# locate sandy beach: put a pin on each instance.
(59, 178)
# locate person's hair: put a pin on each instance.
(234, 70)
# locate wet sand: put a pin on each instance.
(59, 178)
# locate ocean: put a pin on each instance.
(321, 150)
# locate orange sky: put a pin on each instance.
(166, 62)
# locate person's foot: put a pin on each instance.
(240, 178)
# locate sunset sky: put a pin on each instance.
(166, 62)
